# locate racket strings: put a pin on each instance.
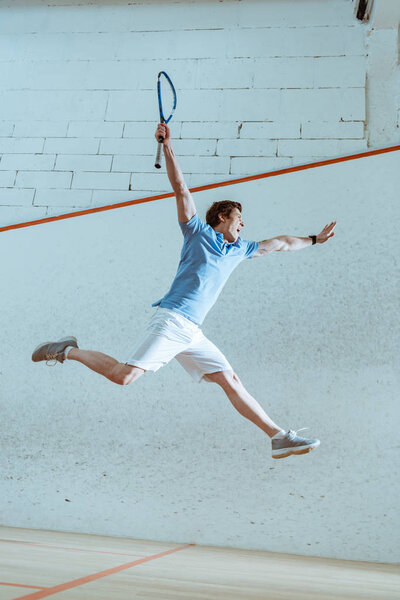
(166, 97)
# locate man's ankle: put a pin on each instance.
(67, 351)
(278, 435)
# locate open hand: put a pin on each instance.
(162, 131)
(326, 233)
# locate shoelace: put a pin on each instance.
(292, 434)
(50, 357)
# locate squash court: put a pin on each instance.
(165, 486)
(95, 566)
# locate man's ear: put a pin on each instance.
(221, 217)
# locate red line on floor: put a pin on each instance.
(82, 580)
(35, 587)
(66, 548)
(202, 188)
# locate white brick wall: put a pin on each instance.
(320, 148)
(42, 105)
(188, 164)
(28, 162)
(96, 129)
(21, 145)
(17, 197)
(89, 17)
(261, 86)
(83, 162)
(71, 145)
(43, 179)
(258, 147)
(6, 129)
(40, 129)
(7, 178)
(273, 130)
(102, 181)
(220, 43)
(249, 164)
(210, 129)
(383, 85)
(339, 130)
(74, 198)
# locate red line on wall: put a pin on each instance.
(82, 580)
(202, 188)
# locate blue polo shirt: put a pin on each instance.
(205, 265)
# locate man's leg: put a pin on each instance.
(107, 366)
(244, 403)
(284, 443)
(67, 348)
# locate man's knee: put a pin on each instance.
(226, 379)
(125, 374)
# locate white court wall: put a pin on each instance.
(312, 334)
(262, 85)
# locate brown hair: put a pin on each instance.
(225, 208)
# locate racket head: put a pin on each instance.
(169, 97)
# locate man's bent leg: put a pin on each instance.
(105, 365)
(244, 403)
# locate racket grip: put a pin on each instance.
(157, 163)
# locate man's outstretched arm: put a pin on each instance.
(285, 243)
(184, 200)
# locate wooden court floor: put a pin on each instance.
(38, 564)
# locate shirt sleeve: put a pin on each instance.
(193, 226)
(250, 248)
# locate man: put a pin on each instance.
(210, 253)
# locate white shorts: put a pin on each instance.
(171, 335)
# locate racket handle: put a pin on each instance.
(157, 164)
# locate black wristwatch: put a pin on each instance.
(314, 239)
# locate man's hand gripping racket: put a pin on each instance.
(162, 133)
(161, 137)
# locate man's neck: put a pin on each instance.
(223, 233)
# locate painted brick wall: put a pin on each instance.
(383, 87)
(262, 86)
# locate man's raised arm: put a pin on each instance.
(288, 242)
(184, 200)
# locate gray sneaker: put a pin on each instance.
(292, 444)
(53, 351)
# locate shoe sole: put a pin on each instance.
(301, 451)
(70, 337)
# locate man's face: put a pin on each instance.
(234, 224)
